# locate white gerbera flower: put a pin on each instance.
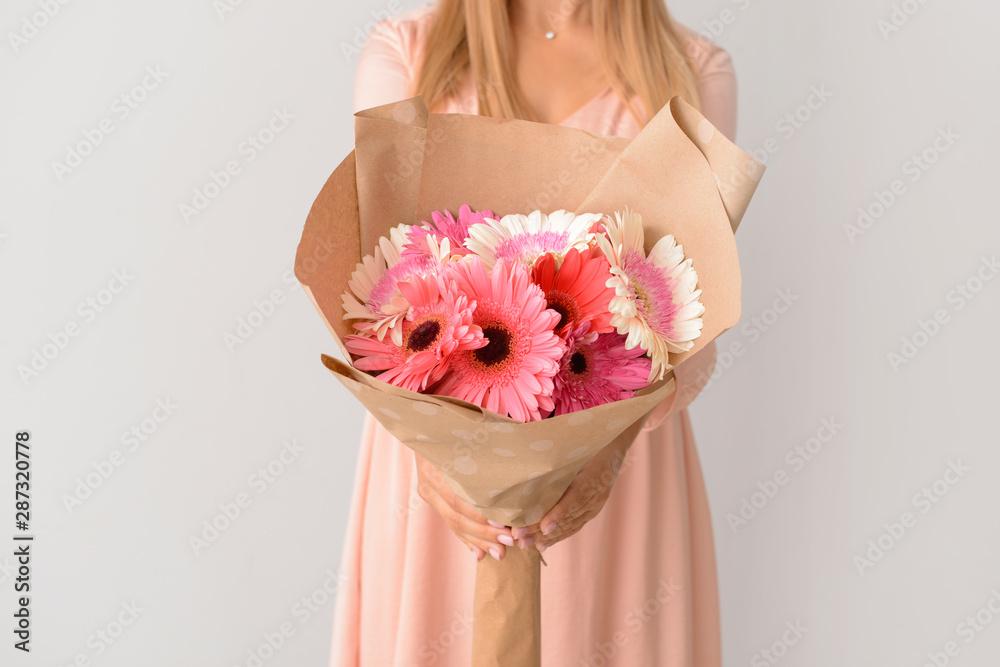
(523, 238)
(655, 304)
(373, 297)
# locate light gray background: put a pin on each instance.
(162, 337)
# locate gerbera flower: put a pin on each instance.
(443, 226)
(373, 297)
(577, 290)
(655, 302)
(512, 374)
(438, 326)
(598, 369)
(522, 238)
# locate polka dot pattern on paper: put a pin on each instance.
(404, 112)
(466, 465)
(391, 414)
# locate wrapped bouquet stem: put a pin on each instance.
(513, 456)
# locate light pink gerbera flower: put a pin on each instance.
(443, 226)
(512, 374)
(655, 302)
(373, 297)
(439, 325)
(598, 369)
(523, 238)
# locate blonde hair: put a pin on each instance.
(642, 52)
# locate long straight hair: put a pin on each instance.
(641, 50)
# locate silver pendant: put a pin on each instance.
(550, 35)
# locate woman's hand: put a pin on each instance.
(479, 534)
(584, 497)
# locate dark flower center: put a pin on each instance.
(497, 350)
(578, 363)
(563, 314)
(423, 335)
(563, 304)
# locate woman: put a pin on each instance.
(637, 585)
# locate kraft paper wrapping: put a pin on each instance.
(679, 173)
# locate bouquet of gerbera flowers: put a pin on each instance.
(509, 348)
(528, 316)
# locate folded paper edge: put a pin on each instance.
(690, 120)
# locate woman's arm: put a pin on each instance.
(384, 75)
(384, 72)
(591, 488)
(716, 83)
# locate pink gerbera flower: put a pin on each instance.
(512, 374)
(373, 298)
(443, 225)
(598, 369)
(577, 290)
(656, 297)
(438, 326)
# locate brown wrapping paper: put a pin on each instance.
(683, 176)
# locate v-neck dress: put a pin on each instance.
(637, 585)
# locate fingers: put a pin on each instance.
(577, 500)
(461, 518)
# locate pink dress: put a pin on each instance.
(636, 586)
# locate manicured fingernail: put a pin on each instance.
(526, 542)
(480, 554)
(505, 539)
(519, 532)
(549, 527)
(494, 553)
(542, 547)
(495, 524)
